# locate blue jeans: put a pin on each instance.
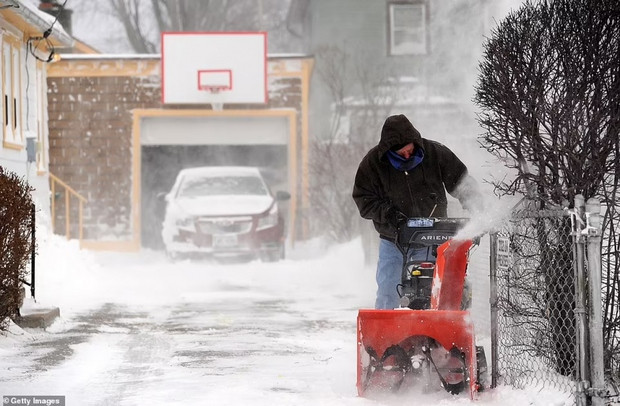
(389, 272)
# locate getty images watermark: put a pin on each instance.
(34, 400)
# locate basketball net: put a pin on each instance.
(214, 90)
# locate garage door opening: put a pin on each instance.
(160, 165)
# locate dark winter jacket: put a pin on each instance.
(380, 190)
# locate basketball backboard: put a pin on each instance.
(213, 67)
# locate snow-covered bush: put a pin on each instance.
(15, 241)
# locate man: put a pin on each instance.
(405, 176)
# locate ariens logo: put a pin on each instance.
(436, 237)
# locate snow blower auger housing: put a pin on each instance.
(429, 341)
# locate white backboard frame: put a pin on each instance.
(186, 56)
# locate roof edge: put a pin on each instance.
(69, 56)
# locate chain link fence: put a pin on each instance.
(546, 303)
(534, 303)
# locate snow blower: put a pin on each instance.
(429, 341)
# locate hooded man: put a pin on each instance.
(406, 176)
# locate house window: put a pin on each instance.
(407, 28)
(11, 93)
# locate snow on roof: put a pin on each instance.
(288, 56)
(110, 56)
(42, 20)
(208, 171)
(158, 56)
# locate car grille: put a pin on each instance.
(236, 225)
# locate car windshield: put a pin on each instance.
(222, 185)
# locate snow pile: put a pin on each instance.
(11, 338)
(66, 276)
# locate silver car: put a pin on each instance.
(223, 211)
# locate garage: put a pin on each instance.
(171, 140)
(107, 111)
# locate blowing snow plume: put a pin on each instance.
(495, 212)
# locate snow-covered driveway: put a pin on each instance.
(139, 330)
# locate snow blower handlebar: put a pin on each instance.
(424, 236)
(422, 232)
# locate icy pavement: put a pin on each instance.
(136, 329)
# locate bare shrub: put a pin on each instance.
(362, 96)
(15, 241)
(549, 89)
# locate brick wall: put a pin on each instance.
(90, 123)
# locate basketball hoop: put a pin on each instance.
(214, 81)
(213, 89)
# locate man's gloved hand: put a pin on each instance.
(396, 218)
(476, 240)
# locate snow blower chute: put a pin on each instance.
(429, 341)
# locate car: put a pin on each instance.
(224, 212)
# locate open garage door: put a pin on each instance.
(169, 144)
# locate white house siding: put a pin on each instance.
(32, 101)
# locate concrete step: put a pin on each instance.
(37, 317)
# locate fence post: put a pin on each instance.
(597, 369)
(577, 226)
(493, 303)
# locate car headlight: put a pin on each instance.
(269, 220)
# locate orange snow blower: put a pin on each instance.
(429, 341)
